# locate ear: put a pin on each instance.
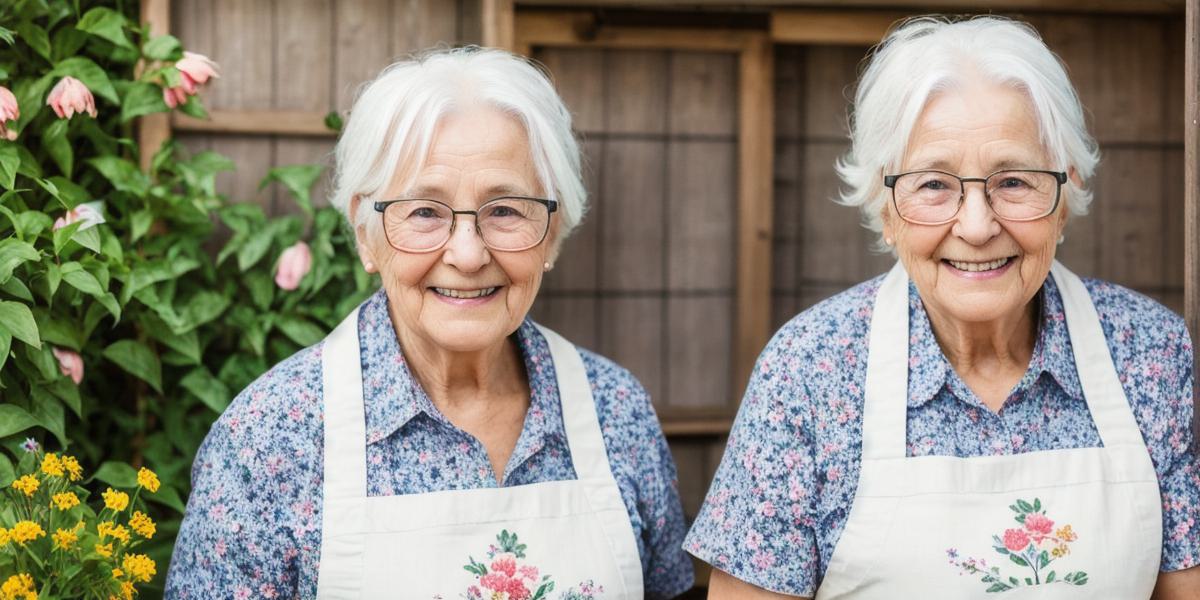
(885, 216)
(360, 236)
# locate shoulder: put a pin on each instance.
(830, 324)
(620, 398)
(1124, 312)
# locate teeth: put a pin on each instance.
(978, 266)
(449, 293)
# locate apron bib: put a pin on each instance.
(1076, 523)
(546, 538)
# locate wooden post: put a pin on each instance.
(1191, 181)
(498, 23)
(154, 129)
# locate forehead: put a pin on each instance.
(985, 122)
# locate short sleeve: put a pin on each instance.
(1173, 448)
(758, 521)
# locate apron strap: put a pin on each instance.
(345, 419)
(885, 409)
(582, 426)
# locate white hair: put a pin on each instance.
(928, 55)
(393, 120)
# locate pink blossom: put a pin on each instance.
(294, 264)
(9, 111)
(1015, 539)
(69, 363)
(529, 573)
(505, 563)
(88, 213)
(194, 71)
(70, 96)
(1038, 524)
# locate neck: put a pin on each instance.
(1005, 343)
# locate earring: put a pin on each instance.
(1062, 238)
(546, 266)
(888, 241)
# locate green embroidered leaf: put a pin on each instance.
(1043, 559)
(1050, 577)
(1037, 504)
(998, 587)
(1025, 506)
(1017, 559)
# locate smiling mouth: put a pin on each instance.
(465, 294)
(976, 267)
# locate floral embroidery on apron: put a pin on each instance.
(1034, 546)
(504, 578)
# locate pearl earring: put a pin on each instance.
(1062, 238)
(546, 266)
(887, 241)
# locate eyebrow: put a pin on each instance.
(435, 192)
(1004, 165)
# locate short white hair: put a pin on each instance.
(928, 55)
(392, 123)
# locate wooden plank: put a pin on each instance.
(836, 248)
(703, 96)
(637, 102)
(498, 23)
(788, 220)
(568, 29)
(243, 38)
(579, 78)
(360, 26)
(1117, 6)
(829, 77)
(690, 457)
(154, 129)
(684, 426)
(1129, 203)
(631, 333)
(1175, 75)
(574, 318)
(755, 147)
(700, 352)
(1173, 201)
(631, 213)
(789, 91)
(576, 267)
(260, 121)
(422, 24)
(702, 215)
(1191, 179)
(804, 26)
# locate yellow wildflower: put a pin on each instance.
(64, 539)
(104, 550)
(65, 501)
(4, 537)
(1060, 551)
(139, 566)
(74, 471)
(108, 529)
(51, 465)
(118, 573)
(26, 531)
(27, 484)
(115, 500)
(142, 524)
(148, 480)
(19, 586)
(127, 591)
(1066, 534)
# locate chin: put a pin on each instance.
(466, 335)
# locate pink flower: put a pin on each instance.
(69, 363)
(1015, 539)
(294, 264)
(88, 213)
(1038, 524)
(505, 563)
(195, 70)
(70, 96)
(529, 573)
(9, 111)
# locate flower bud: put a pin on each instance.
(70, 96)
(294, 264)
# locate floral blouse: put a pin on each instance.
(253, 522)
(781, 496)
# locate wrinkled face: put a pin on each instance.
(462, 297)
(976, 268)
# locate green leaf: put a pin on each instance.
(167, 496)
(255, 248)
(30, 95)
(17, 320)
(202, 307)
(54, 140)
(81, 280)
(1050, 577)
(88, 72)
(116, 474)
(9, 163)
(299, 180)
(36, 37)
(141, 98)
(14, 419)
(105, 23)
(109, 302)
(68, 392)
(5, 346)
(122, 174)
(1017, 559)
(210, 390)
(997, 587)
(48, 410)
(88, 238)
(8, 474)
(299, 330)
(139, 223)
(193, 108)
(14, 252)
(53, 277)
(16, 287)
(6, 34)
(187, 344)
(70, 193)
(1037, 504)
(163, 47)
(1024, 506)
(67, 42)
(1043, 560)
(138, 360)
(333, 121)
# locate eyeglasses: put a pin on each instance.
(934, 197)
(508, 223)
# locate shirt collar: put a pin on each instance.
(393, 397)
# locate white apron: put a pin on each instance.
(553, 537)
(1078, 523)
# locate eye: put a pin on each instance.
(934, 184)
(423, 212)
(1012, 183)
(504, 211)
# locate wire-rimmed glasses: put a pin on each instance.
(507, 223)
(932, 197)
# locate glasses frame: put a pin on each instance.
(1060, 177)
(551, 207)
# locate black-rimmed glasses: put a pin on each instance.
(933, 197)
(507, 223)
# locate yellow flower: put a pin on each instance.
(115, 500)
(26, 531)
(1066, 534)
(27, 484)
(51, 465)
(104, 550)
(127, 591)
(4, 537)
(1060, 551)
(118, 573)
(139, 566)
(74, 471)
(65, 500)
(19, 586)
(108, 529)
(148, 480)
(64, 539)
(142, 524)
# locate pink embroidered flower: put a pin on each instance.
(505, 563)
(1039, 525)
(1015, 540)
(9, 111)
(529, 573)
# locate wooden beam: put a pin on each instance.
(257, 122)
(831, 27)
(154, 129)
(575, 28)
(1084, 6)
(1191, 181)
(498, 23)
(756, 119)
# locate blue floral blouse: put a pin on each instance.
(781, 496)
(253, 522)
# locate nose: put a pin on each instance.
(465, 250)
(975, 222)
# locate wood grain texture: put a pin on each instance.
(1114, 6)
(701, 215)
(700, 352)
(830, 27)
(421, 24)
(246, 29)
(631, 230)
(828, 88)
(632, 334)
(637, 97)
(576, 267)
(1129, 203)
(703, 93)
(578, 75)
(360, 44)
(154, 129)
(574, 318)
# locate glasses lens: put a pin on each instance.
(927, 196)
(513, 223)
(417, 224)
(1022, 194)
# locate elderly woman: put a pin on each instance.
(979, 420)
(439, 444)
